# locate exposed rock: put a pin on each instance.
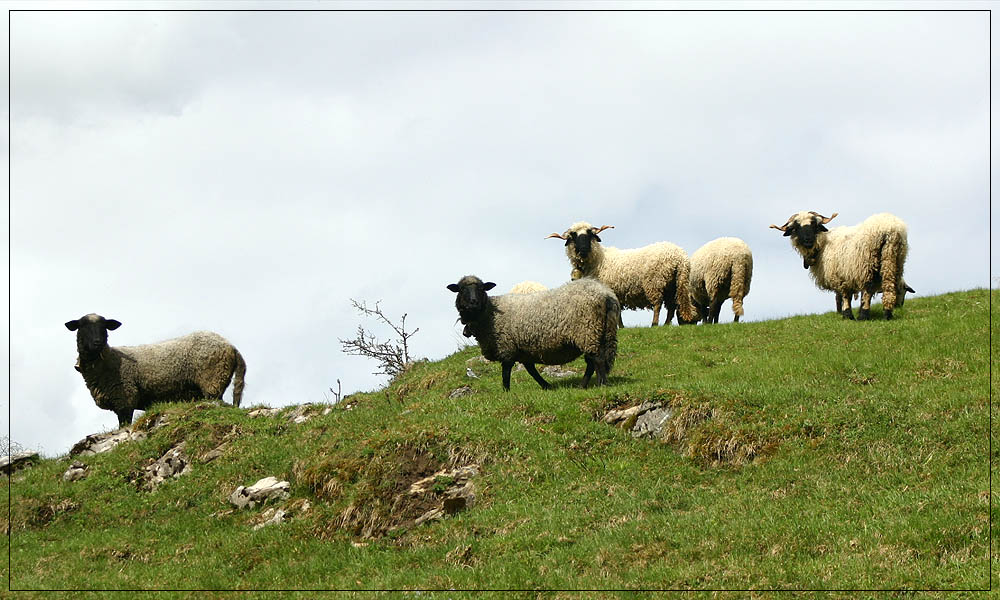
(96, 443)
(644, 420)
(20, 460)
(263, 412)
(171, 465)
(462, 391)
(650, 423)
(477, 360)
(273, 516)
(76, 471)
(214, 453)
(453, 486)
(265, 489)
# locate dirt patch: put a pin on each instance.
(379, 488)
(943, 368)
(39, 513)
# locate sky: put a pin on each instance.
(250, 173)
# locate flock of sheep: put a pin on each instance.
(535, 325)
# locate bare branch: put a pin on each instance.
(393, 356)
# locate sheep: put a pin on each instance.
(550, 327)
(862, 258)
(646, 277)
(124, 379)
(527, 287)
(720, 269)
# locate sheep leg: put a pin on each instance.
(656, 315)
(530, 368)
(602, 371)
(506, 366)
(847, 313)
(124, 417)
(620, 322)
(713, 315)
(866, 304)
(589, 372)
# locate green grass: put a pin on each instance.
(808, 453)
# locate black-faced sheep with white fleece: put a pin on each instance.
(124, 379)
(646, 277)
(721, 269)
(865, 258)
(550, 327)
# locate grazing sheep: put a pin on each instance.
(527, 287)
(550, 327)
(124, 379)
(863, 258)
(720, 269)
(646, 277)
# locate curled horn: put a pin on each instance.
(555, 235)
(602, 228)
(782, 228)
(825, 219)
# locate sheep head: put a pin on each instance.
(472, 301)
(92, 334)
(804, 228)
(580, 238)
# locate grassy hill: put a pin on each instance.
(804, 453)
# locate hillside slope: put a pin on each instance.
(803, 453)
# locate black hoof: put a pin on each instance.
(863, 314)
(847, 314)
(888, 315)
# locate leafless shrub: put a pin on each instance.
(393, 355)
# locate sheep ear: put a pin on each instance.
(112, 324)
(787, 233)
(909, 289)
(489, 285)
(820, 228)
(73, 325)
(453, 287)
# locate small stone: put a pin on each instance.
(76, 471)
(650, 423)
(265, 489)
(462, 391)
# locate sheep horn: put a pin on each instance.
(782, 228)
(555, 235)
(602, 228)
(825, 219)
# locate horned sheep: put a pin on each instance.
(865, 258)
(720, 269)
(124, 379)
(648, 277)
(550, 327)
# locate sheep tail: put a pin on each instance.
(683, 294)
(239, 372)
(739, 287)
(609, 332)
(893, 254)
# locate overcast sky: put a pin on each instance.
(251, 172)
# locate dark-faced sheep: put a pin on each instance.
(863, 258)
(124, 379)
(648, 277)
(550, 327)
(720, 270)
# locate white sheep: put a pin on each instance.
(865, 258)
(549, 327)
(646, 277)
(124, 379)
(527, 287)
(720, 269)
